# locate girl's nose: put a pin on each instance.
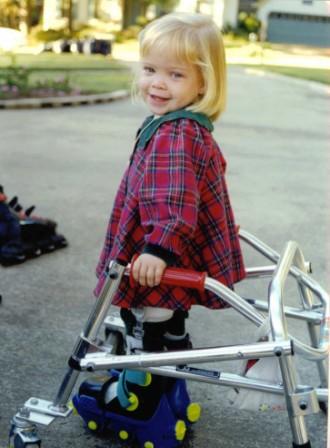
(158, 82)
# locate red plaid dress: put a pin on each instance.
(174, 195)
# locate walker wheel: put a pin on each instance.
(27, 445)
(18, 443)
(22, 438)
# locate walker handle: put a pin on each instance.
(186, 278)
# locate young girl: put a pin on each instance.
(172, 206)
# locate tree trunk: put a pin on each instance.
(28, 17)
(69, 15)
(97, 9)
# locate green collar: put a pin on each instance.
(152, 124)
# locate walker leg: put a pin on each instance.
(307, 301)
(297, 422)
(90, 332)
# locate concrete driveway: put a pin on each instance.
(68, 161)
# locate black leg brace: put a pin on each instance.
(159, 336)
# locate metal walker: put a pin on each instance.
(301, 400)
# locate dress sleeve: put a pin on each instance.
(169, 196)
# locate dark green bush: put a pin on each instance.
(248, 23)
(49, 35)
(131, 32)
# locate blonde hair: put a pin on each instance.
(194, 39)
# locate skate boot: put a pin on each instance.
(11, 249)
(133, 412)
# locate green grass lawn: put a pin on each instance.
(67, 61)
(290, 60)
(88, 81)
(310, 74)
(86, 73)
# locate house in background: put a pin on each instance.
(83, 11)
(304, 22)
(125, 13)
(223, 12)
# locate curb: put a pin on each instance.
(79, 100)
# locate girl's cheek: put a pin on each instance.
(142, 83)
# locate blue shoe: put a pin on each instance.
(181, 404)
(162, 430)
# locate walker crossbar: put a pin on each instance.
(103, 361)
(301, 400)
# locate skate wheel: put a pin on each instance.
(74, 410)
(180, 430)
(148, 379)
(193, 412)
(123, 435)
(133, 399)
(148, 445)
(92, 425)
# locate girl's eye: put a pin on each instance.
(177, 75)
(148, 69)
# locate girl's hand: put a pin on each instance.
(148, 270)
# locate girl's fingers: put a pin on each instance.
(158, 276)
(136, 270)
(142, 277)
(150, 277)
(147, 271)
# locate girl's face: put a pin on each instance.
(167, 84)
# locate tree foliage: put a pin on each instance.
(13, 12)
(10, 13)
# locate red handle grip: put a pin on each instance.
(186, 278)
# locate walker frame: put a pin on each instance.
(301, 400)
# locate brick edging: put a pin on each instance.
(35, 103)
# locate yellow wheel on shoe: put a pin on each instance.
(194, 412)
(123, 435)
(148, 380)
(148, 445)
(133, 399)
(92, 425)
(72, 406)
(180, 430)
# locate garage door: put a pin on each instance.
(299, 29)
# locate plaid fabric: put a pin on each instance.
(174, 195)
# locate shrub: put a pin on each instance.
(15, 82)
(248, 23)
(14, 78)
(49, 35)
(131, 32)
